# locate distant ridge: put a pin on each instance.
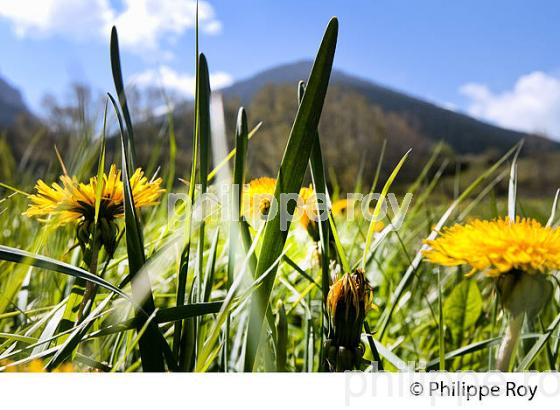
(465, 134)
(11, 103)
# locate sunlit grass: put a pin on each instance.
(186, 295)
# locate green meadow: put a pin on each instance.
(145, 289)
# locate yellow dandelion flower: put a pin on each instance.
(498, 246)
(35, 366)
(257, 197)
(71, 200)
(307, 209)
(340, 206)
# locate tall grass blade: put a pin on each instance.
(512, 188)
(20, 256)
(552, 217)
(378, 206)
(541, 342)
(178, 340)
(378, 167)
(338, 245)
(150, 343)
(441, 329)
(101, 166)
(289, 180)
(239, 171)
(212, 174)
(121, 95)
(211, 267)
(203, 119)
(320, 186)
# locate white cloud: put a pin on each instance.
(180, 83)
(37, 18)
(213, 27)
(143, 25)
(532, 105)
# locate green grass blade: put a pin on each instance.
(471, 348)
(301, 271)
(211, 267)
(76, 336)
(14, 189)
(20, 256)
(18, 338)
(338, 245)
(204, 141)
(203, 120)
(441, 322)
(377, 209)
(119, 86)
(372, 347)
(172, 151)
(390, 356)
(186, 311)
(378, 167)
(163, 316)
(135, 342)
(552, 217)
(512, 189)
(538, 346)
(49, 330)
(231, 155)
(426, 169)
(178, 340)
(320, 186)
(101, 166)
(289, 180)
(150, 343)
(239, 171)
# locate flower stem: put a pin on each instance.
(90, 287)
(509, 343)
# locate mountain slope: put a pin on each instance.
(465, 134)
(11, 104)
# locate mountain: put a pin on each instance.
(465, 134)
(11, 103)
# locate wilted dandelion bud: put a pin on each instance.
(348, 301)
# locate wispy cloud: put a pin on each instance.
(532, 105)
(144, 25)
(181, 83)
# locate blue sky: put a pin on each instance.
(498, 60)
